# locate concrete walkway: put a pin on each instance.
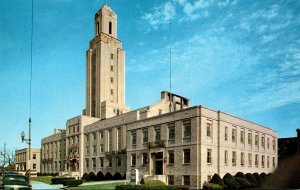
(41, 185)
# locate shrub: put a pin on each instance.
(72, 183)
(258, 179)
(84, 176)
(240, 175)
(216, 179)
(100, 176)
(244, 183)
(59, 180)
(108, 176)
(145, 187)
(211, 186)
(251, 179)
(117, 176)
(154, 183)
(91, 177)
(142, 181)
(230, 181)
(263, 176)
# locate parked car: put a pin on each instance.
(15, 182)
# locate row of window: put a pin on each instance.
(109, 162)
(186, 154)
(265, 160)
(109, 141)
(186, 180)
(157, 133)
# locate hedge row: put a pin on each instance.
(60, 180)
(146, 187)
(100, 176)
(239, 181)
(47, 174)
(72, 183)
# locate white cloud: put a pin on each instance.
(223, 3)
(266, 13)
(160, 15)
(268, 38)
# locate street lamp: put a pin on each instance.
(28, 141)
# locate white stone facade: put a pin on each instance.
(168, 140)
(23, 161)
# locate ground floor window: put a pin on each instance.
(186, 180)
(133, 159)
(170, 179)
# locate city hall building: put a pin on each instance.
(168, 140)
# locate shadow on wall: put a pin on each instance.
(286, 176)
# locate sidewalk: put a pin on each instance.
(41, 185)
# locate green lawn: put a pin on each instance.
(44, 179)
(99, 186)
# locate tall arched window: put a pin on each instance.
(110, 27)
(98, 29)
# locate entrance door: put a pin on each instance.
(159, 163)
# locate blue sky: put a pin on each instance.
(240, 57)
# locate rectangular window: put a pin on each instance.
(263, 141)
(256, 140)
(186, 180)
(145, 135)
(273, 144)
(101, 134)
(133, 159)
(34, 166)
(268, 161)
(274, 162)
(226, 133)
(242, 159)
(226, 157)
(233, 135)
(209, 156)
(133, 137)
(233, 158)
(94, 162)
(101, 163)
(208, 129)
(170, 180)
(34, 156)
(187, 128)
(256, 160)
(171, 157)
(249, 138)
(172, 132)
(109, 162)
(111, 79)
(111, 56)
(101, 148)
(111, 91)
(242, 136)
(145, 158)
(157, 134)
(119, 160)
(263, 161)
(110, 140)
(119, 140)
(87, 163)
(249, 159)
(186, 156)
(268, 143)
(111, 68)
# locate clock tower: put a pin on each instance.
(105, 69)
